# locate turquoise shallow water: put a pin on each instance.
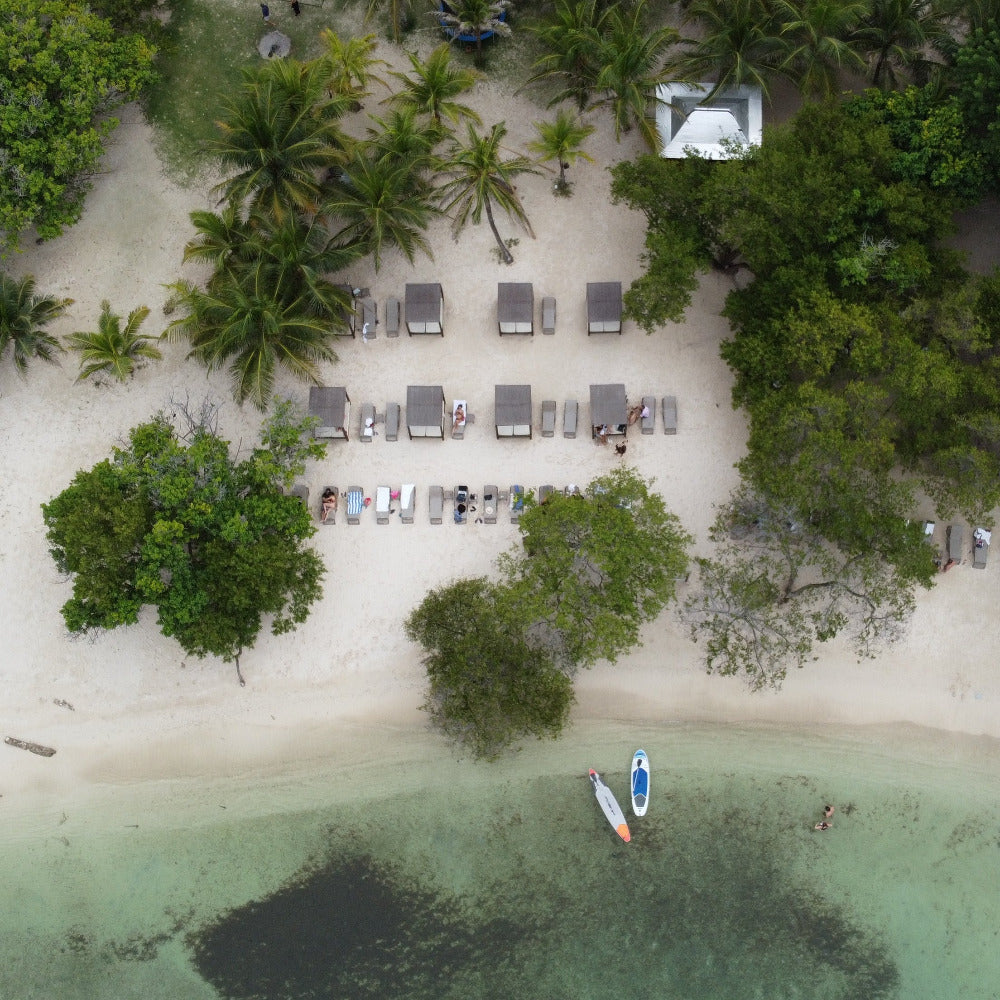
(412, 875)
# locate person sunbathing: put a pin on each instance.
(459, 415)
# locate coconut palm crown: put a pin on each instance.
(113, 349)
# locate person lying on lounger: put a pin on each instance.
(459, 415)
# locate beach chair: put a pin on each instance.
(544, 492)
(435, 504)
(367, 318)
(355, 504)
(516, 503)
(955, 534)
(490, 493)
(649, 420)
(570, 414)
(328, 505)
(459, 419)
(407, 496)
(548, 418)
(383, 500)
(392, 422)
(301, 491)
(669, 414)
(367, 422)
(462, 504)
(981, 538)
(548, 314)
(392, 317)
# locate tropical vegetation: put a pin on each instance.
(23, 318)
(174, 521)
(112, 349)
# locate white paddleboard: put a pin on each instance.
(610, 807)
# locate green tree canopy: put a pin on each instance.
(177, 523)
(64, 70)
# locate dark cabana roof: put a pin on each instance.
(424, 308)
(332, 405)
(425, 406)
(604, 307)
(515, 306)
(513, 405)
(608, 405)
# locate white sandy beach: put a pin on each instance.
(141, 710)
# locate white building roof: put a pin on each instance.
(734, 115)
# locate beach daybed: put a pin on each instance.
(649, 409)
(424, 309)
(392, 317)
(435, 504)
(604, 307)
(515, 307)
(512, 410)
(570, 412)
(367, 422)
(669, 414)
(355, 504)
(392, 422)
(383, 499)
(407, 496)
(328, 505)
(516, 502)
(331, 406)
(548, 315)
(955, 535)
(425, 411)
(608, 409)
(367, 318)
(490, 492)
(981, 538)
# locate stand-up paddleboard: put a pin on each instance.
(610, 806)
(640, 783)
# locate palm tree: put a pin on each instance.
(381, 207)
(111, 348)
(434, 85)
(572, 40)
(23, 315)
(897, 35)
(740, 43)
(404, 140)
(631, 65)
(818, 46)
(476, 18)
(350, 65)
(280, 134)
(480, 177)
(400, 12)
(238, 325)
(561, 140)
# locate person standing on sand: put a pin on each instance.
(296, 9)
(265, 12)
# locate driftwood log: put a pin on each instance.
(32, 747)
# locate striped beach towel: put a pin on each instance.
(355, 503)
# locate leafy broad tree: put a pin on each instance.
(593, 568)
(112, 349)
(176, 522)
(23, 318)
(488, 685)
(64, 70)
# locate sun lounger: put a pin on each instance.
(669, 414)
(548, 418)
(383, 497)
(392, 422)
(392, 317)
(649, 420)
(462, 504)
(435, 504)
(490, 504)
(367, 422)
(544, 492)
(355, 504)
(572, 490)
(548, 314)
(328, 505)
(367, 318)
(955, 534)
(981, 538)
(407, 496)
(301, 491)
(459, 418)
(570, 413)
(516, 503)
